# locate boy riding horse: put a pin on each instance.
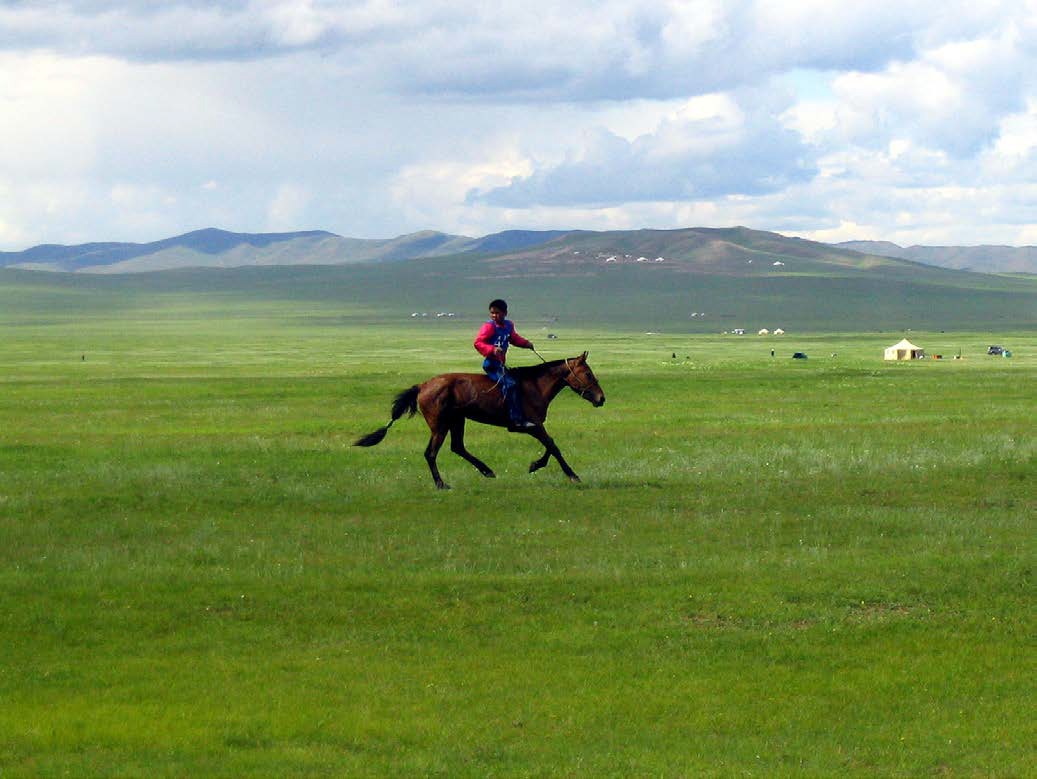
(492, 343)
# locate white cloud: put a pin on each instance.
(287, 209)
(714, 146)
(132, 121)
(577, 50)
(951, 98)
(421, 190)
(49, 125)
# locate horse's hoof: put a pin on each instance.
(442, 486)
(574, 479)
(489, 474)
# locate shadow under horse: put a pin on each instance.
(448, 400)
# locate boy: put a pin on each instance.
(492, 343)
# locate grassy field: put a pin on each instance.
(772, 567)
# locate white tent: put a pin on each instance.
(905, 350)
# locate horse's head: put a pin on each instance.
(582, 381)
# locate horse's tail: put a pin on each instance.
(404, 403)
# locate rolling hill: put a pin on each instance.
(213, 248)
(689, 280)
(982, 259)
(704, 247)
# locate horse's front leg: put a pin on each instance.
(537, 464)
(540, 434)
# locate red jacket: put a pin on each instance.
(491, 337)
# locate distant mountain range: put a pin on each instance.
(982, 259)
(689, 280)
(213, 248)
(716, 249)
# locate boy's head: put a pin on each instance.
(498, 311)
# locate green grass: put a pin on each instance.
(772, 567)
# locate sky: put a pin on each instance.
(912, 121)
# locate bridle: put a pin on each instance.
(584, 389)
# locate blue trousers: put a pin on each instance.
(508, 387)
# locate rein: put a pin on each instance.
(582, 389)
(497, 384)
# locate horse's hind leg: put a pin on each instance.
(434, 443)
(457, 447)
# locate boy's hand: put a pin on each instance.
(530, 347)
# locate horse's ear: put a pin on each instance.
(583, 357)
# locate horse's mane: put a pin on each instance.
(534, 371)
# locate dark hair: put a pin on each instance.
(498, 303)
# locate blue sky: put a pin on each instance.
(133, 121)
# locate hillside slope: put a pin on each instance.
(213, 248)
(694, 280)
(982, 259)
(714, 249)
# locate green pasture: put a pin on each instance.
(771, 567)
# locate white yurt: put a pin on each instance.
(905, 350)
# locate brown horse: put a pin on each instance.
(447, 400)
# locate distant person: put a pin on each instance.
(492, 342)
